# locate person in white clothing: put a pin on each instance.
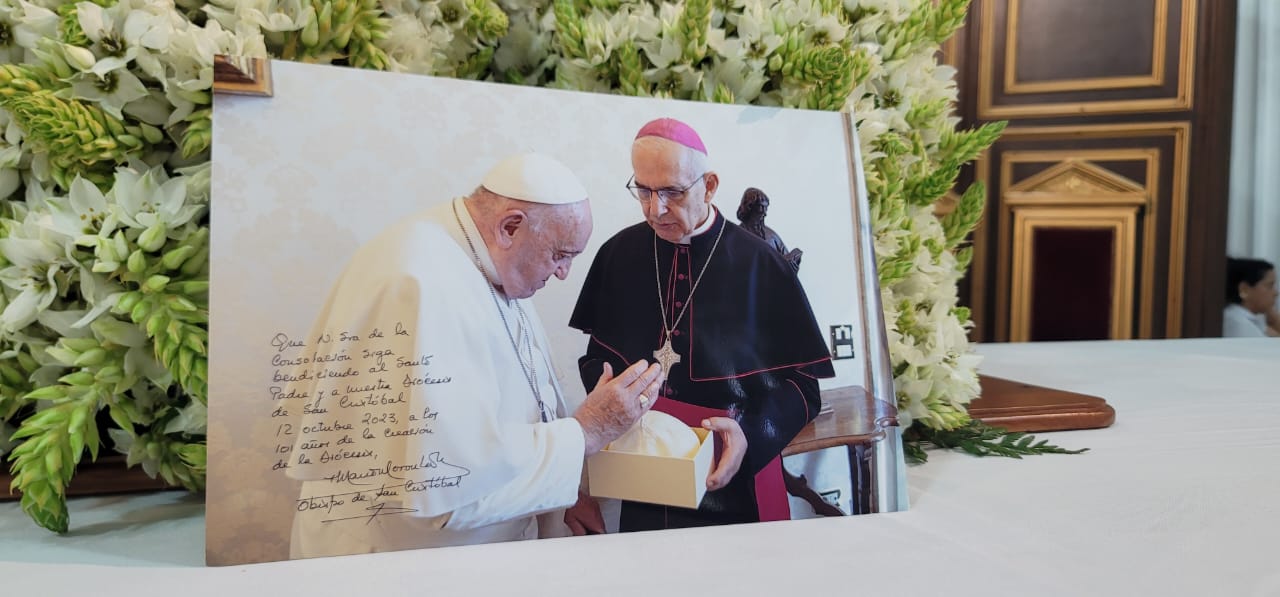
(461, 435)
(1251, 300)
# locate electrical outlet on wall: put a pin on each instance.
(842, 341)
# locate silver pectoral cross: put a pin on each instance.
(666, 356)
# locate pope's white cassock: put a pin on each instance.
(460, 453)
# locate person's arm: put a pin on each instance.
(779, 416)
(550, 477)
(548, 480)
(1273, 322)
(753, 439)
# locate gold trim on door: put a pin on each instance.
(1179, 131)
(1154, 78)
(1122, 221)
(1108, 188)
(987, 110)
(1075, 178)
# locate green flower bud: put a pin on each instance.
(190, 287)
(156, 324)
(140, 311)
(53, 462)
(181, 304)
(79, 378)
(127, 300)
(27, 363)
(155, 283)
(153, 238)
(137, 261)
(196, 264)
(151, 133)
(109, 374)
(64, 356)
(48, 393)
(311, 31)
(12, 375)
(324, 21)
(176, 257)
(80, 345)
(91, 358)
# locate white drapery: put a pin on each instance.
(1254, 209)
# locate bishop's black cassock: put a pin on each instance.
(749, 345)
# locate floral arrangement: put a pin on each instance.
(105, 108)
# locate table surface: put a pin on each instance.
(1178, 497)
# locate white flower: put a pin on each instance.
(663, 51)
(32, 24)
(601, 34)
(680, 80)
(11, 52)
(101, 294)
(744, 81)
(525, 48)
(143, 200)
(755, 39)
(408, 45)
(36, 260)
(10, 162)
(896, 10)
(81, 214)
(111, 89)
(267, 15)
(571, 75)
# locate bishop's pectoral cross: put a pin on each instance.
(666, 356)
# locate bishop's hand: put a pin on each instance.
(735, 448)
(584, 518)
(616, 403)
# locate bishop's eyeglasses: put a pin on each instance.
(668, 195)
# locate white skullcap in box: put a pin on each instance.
(535, 178)
(658, 434)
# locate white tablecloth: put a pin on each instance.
(1179, 497)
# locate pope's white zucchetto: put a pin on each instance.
(536, 178)
(658, 434)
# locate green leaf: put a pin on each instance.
(980, 439)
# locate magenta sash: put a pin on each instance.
(771, 493)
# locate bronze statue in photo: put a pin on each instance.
(751, 213)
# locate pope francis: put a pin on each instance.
(497, 448)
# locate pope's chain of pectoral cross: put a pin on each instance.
(666, 355)
(522, 336)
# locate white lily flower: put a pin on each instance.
(111, 89)
(32, 24)
(662, 52)
(143, 200)
(744, 81)
(412, 45)
(267, 15)
(82, 213)
(35, 262)
(101, 293)
(526, 46)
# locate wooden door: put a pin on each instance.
(1106, 214)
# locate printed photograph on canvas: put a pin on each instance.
(451, 313)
